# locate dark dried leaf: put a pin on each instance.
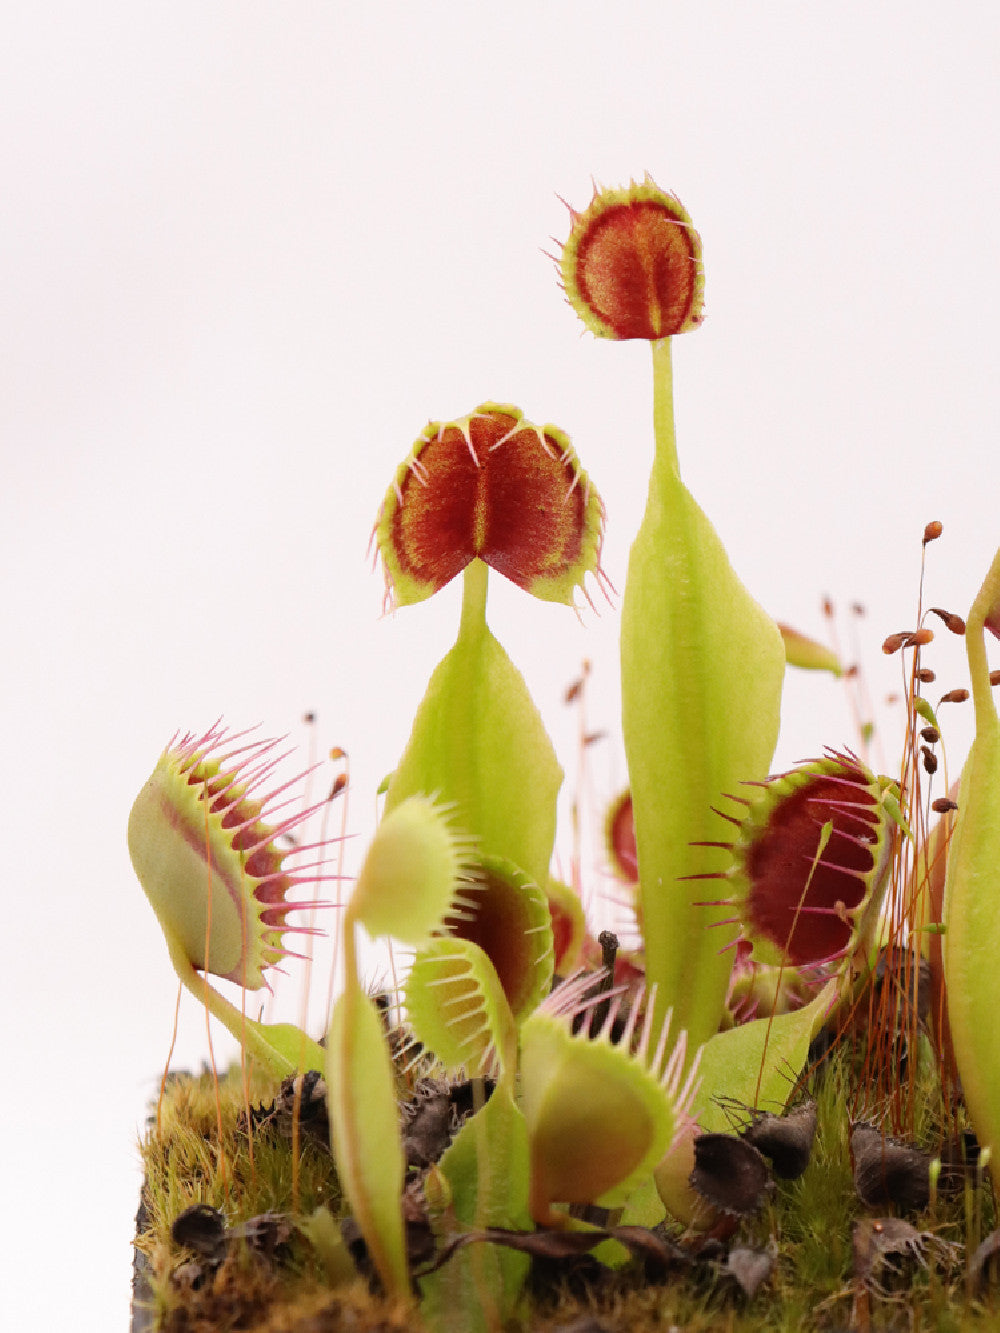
(885, 1248)
(302, 1099)
(887, 1172)
(467, 1096)
(901, 976)
(729, 1173)
(266, 1233)
(750, 1267)
(429, 1119)
(786, 1140)
(959, 1161)
(421, 1243)
(876, 1239)
(642, 1242)
(200, 1228)
(659, 1254)
(984, 1266)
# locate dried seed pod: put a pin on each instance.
(926, 676)
(943, 804)
(730, 1173)
(894, 642)
(932, 531)
(574, 691)
(953, 622)
(930, 734)
(955, 697)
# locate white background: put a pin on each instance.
(247, 250)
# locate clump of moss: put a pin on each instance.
(259, 1164)
(230, 1145)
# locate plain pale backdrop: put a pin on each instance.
(248, 249)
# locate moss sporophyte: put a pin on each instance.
(590, 1103)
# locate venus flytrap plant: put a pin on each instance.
(467, 992)
(414, 873)
(809, 870)
(700, 691)
(971, 944)
(702, 664)
(489, 489)
(460, 1011)
(216, 877)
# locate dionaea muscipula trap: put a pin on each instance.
(810, 862)
(600, 1113)
(210, 864)
(494, 486)
(631, 267)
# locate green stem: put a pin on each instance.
(274, 1051)
(975, 647)
(466, 688)
(664, 433)
(350, 946)
(475, 586)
